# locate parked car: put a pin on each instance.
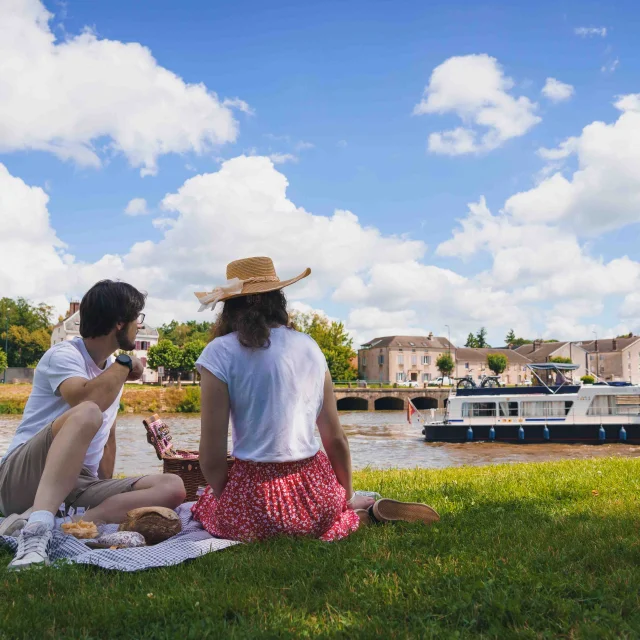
(408, 383)
(442, 381)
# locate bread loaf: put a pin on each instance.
(156, 524)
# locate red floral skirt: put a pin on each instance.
(266, 499)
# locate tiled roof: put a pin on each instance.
(467, 354)
(539, 352)
(409, 342)
(607, 345)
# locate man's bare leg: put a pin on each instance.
(73, 432)
(72, 435)
(165, 490)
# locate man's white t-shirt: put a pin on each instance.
(275, 394)
(64, 360)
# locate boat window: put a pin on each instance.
(478, 409)
(544, 408)
(509, 409)
(567, 407)
(628, 405)
(602, 405)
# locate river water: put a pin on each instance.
(379, 440)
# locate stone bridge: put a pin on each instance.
(360, 399)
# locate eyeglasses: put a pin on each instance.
(141, 318)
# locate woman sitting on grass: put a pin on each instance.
(275, 385)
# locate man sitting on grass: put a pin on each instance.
(64, 449)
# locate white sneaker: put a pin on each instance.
(13, 524)
(32, 547)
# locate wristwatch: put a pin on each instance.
(125, 361)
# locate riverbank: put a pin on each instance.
(532, 550)
(136, 398)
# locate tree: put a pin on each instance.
(560, 360)
(164, 354)
(518, 342)
(3, 360)
(510, 338)
(333, 340)
(588, 379)
(29, 331)
(481, 339)
(190, 353)
(445, 364)
(181, 333)
(497, 362)
(471, 342)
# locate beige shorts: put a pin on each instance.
(21, 470)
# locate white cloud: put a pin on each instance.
(303, 146)
(557, 91)
(384, 283)
(604, 192)
(342, 144)
(610, 67)
(282, 158)
(241, 105)
(587, 32)
(64, 97)
(475, 88)
(136, 207)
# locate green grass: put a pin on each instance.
(525, 551)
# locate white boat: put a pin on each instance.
(560, 412)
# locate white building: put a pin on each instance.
(69, 328)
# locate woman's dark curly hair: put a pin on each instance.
(252, 317)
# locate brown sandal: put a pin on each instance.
(387, 510)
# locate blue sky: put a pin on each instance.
(335, 84)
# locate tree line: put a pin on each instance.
(180, 345)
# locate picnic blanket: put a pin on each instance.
(193, 541)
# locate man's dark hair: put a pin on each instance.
(106, 304)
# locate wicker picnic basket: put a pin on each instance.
(182, 462)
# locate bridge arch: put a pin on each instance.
(423, 402)
(389, 403)
(351, 403)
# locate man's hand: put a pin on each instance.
(137, 369)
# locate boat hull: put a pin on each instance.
(534, 433)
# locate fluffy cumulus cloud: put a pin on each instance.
(557, 91)
(85, 97)
(604, 192)
(136, 207)
(475, 88)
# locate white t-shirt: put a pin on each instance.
(275, 394)
(64, 360)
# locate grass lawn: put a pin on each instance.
(530, 551)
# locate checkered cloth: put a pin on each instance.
(193, 541)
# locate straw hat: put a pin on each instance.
(245, 277)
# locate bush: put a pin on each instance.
(190, 403)
(588, 379)
(11, 407)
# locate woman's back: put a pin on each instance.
(275, 393)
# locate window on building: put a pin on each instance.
(363, 359)
(380, 359)
(478, 409)
(466, 365)
(400, 358)
(508, 409)
(426, 359)
(414, 360)
(426, 377)
(400, 376)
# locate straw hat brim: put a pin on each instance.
(252, 288)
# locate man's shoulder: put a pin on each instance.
(65, 349)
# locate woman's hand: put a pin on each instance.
(360, 502)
